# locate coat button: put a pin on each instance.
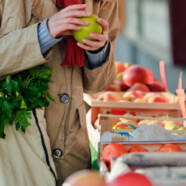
(64, 98)
(57, 153)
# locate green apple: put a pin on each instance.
(93, 27)
(171, 125)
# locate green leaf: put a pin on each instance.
(2, 134)
(8, 79)
(21, 93)
(17, 125)
(22, 119)
(50, 97)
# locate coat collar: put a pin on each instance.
(43, 9)
(89, 4)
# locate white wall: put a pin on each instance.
(131, 51)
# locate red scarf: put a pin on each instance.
(74, 55)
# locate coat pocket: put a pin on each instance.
(82, 115)
(83, 140)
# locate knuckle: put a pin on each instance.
(65, 25)
(71, 20)
(100, 45)
(105, 38)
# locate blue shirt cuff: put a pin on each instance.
(46, 41)
(97, 59)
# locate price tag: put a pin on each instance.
(162, 74)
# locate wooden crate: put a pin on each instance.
(140, 109)
(107, 121)
(147, 159)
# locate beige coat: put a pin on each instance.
(20, 50)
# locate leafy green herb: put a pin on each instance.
(20, 94)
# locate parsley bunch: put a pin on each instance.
(20, 94)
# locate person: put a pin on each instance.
(40, 32)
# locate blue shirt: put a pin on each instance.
(46, 42)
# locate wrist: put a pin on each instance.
(49, 26)
(100, 49)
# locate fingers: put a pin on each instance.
(69, 27)
(76, 21)
(76, 13)
(93, 44)
(86, 47)
(98, 37)
(104, 24)
(74, 7)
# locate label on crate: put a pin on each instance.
(154, 158)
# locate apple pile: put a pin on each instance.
(115, 150)
(126, 123)
(130, 77)
(134, 96)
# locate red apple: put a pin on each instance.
(155, 86)
(119, 67)
(113, 150)
(150, 76)
(135, 74)
(157, 80)
(109, 96)
(138, 94)
(158, 98)
(139, 87)
(122, 85)
(137, 148)
(131, 179)
(133, 95)
(114, 87)
(169, 148)
(118, 112)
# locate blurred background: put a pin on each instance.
(154, 30)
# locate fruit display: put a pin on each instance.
(132, 77)
(137, 97)
(151, 104)
(116, 150)
(130, 123)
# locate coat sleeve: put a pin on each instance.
(20, 50)
(100, 78)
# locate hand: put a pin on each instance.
(63, 22)
(101, 39)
